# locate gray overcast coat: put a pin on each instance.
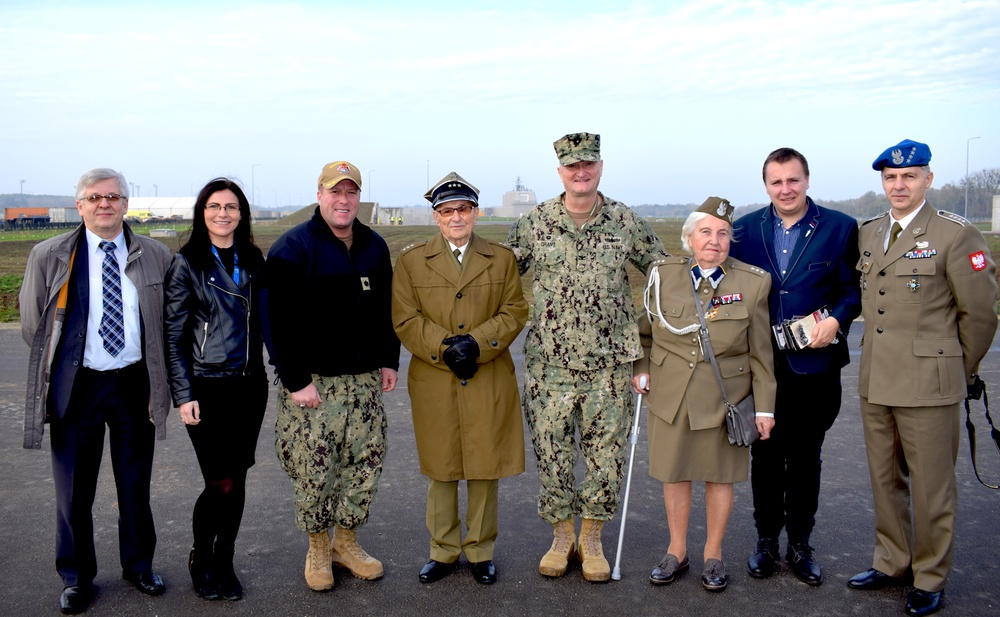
(41, 325)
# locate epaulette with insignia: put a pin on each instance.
(411, 246)
(954, 218)
(875, 218)
(742, 265)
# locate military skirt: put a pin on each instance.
(679, 454)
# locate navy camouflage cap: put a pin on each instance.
(452, 187)
(577, 147)
(719, 208)
(907, 153)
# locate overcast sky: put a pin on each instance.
(689, 97)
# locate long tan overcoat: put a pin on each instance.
(465, 429)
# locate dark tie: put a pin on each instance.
(112, 328)
(458, 256)
(893, 234)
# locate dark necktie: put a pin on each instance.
(112, 328)
(458, 256)
(894, 232)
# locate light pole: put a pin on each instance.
(967, 142)
(156, 191)
(138, 189)
(22, 188)
(253, 184)
(131, 189)
(370, 194)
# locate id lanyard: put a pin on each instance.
(236, 264)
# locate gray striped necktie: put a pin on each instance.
(112, 328)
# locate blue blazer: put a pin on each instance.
(821, 272)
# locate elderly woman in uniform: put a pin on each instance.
(686, 422)
(457, 306)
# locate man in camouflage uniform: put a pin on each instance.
(579, 348)
(328, 328)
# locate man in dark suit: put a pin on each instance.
(92, 312)
(811, 253)
(929, 295)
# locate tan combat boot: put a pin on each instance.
(555, 562)
(319, 574)
(347, 553)
(591, 553)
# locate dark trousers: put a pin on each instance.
(232, 409)
(119, 399)
(785, 469)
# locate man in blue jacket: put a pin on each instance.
(811, 253)
(328, 329)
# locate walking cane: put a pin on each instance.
(616, 574)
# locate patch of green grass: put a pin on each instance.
(10, 285)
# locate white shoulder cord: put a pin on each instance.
(654, 285)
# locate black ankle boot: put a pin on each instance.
(200, 567)
(229, 587)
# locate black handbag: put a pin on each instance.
(741, 424)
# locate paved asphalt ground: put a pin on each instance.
(271, 551)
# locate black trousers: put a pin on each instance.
(120, 400)
(785, 469)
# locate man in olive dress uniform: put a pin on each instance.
(928, 296)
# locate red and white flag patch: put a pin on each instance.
(978, 261)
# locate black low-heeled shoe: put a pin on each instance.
(668, 570)
(713, 577)
(199, 565)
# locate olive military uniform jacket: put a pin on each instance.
(740, 331)
(929, 306)
(465, 429)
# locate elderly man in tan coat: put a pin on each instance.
(457, 306)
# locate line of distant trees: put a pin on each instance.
(983, 185)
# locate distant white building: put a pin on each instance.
(517, 202)
(162, 207)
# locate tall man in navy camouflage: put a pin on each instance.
(579, 349)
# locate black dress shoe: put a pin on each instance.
(484, 572)
(75, 599)
(800, 560)
(668, 570)
(147, 582)
(762, 563)
(435, 571)
(713, 577)
(921, 602)
(871, 579)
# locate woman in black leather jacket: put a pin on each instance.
(216, 372)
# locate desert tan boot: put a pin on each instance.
(555, 562)
(347, 553)
(595, 567)
(319, 574)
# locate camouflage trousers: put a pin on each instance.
(333, 453)
(560, 402)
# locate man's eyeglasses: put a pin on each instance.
(113, 198)
(227, 207)
(463, 210)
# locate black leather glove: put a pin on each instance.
(461, 355)
(976, 389)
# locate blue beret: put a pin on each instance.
(907, 153)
